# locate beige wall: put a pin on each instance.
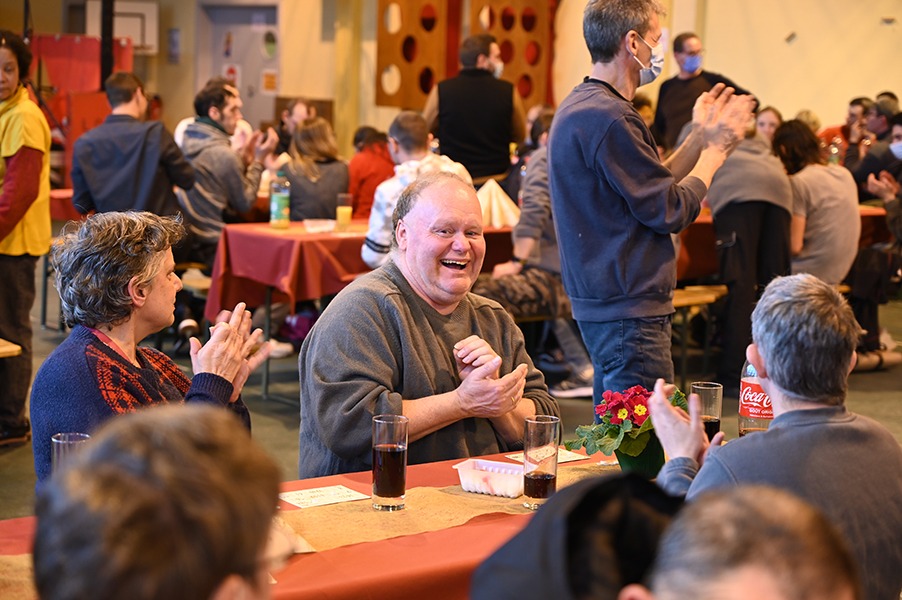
(46, 14)
(821, 69)
(841, 49)
(174, 82)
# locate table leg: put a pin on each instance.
(684, 359)
(267, 326)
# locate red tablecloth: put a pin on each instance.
(434, 565)
(299, 265)
(61, 208)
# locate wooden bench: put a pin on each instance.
(8, 349)
(685, 299)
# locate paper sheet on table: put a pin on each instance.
(562, 456)
(498, 210)
(321, 496)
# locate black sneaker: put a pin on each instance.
(572, 388)
(20, 434)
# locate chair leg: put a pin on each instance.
(46, 274)
(707, 345)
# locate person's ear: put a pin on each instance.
(631, 42)
(754, 357)
(543, 139)
(853, 362)
(634, 591)
(214, 113)
(402, 233)
(137, 292)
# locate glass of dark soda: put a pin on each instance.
(540, 446)
(389, 461)
(711, 395)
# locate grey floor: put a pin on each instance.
(275, 421)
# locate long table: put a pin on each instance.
(429, 550)
(296, 264)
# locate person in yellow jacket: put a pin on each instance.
(24, 226)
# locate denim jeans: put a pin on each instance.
(628, 352)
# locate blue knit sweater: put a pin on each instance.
(84, 382)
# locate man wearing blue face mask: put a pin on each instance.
(678, 94)
(615, 204)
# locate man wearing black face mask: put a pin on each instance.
(616, 204)
(476, 114)
(678, 94)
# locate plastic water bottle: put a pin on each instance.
(755, 410)
(833, 156)
(279, 202)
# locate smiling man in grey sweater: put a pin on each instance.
(410, 339)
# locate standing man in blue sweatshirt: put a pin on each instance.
(616, 204)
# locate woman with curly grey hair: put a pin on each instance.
(117, 284)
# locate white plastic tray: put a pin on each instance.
(491, 477)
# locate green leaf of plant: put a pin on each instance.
(627, 426)
(584, 430)
(646, 426)
(633, 446)
(679, 399)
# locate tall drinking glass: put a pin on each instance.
(543, 435)
(343, 210)
(389, 461)
(64, 446)
(711, 395)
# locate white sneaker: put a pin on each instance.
(280, 349)
(188, 328)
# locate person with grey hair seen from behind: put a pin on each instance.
(116, 278)
(750, 543)
(411, 339)
(804, 337)
(174, 502)
(615, 204)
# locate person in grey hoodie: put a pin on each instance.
(226, 182)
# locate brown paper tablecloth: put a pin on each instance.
(428, 509)
(16, 578)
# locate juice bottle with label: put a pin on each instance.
(279, 202)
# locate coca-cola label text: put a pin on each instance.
(753, 402)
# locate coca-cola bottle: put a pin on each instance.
(755, 411)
